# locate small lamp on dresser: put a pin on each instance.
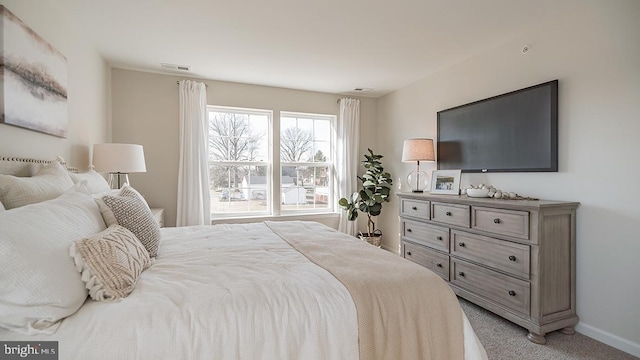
(118, 160)
(418, 150)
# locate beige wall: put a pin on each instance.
(595, 54)
(87, 103)
(145, 111)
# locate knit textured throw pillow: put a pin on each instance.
(110, 262)
(131, 211)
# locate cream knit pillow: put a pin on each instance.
(110, 262)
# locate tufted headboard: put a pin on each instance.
(27, 167)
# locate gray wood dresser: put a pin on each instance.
(516, 258)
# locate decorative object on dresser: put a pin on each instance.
(490, 191)
(376, 188)
(118, 160)
(515, 258)
(34, 81)
(446, 182)
(418, 150)
(482, 192)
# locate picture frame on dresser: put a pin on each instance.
(446, 182)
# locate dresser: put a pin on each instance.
(516, 258)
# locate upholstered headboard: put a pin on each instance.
(27, 167)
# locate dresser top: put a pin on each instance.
(489, 202)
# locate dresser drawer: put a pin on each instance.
(503, 289)
(500, 254)
(415, 208)
(452, 214)
(429, 235)
(434, 261)
(505, 222)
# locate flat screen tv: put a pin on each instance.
(513, 132)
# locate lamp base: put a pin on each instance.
(118, 180)
(418, 181)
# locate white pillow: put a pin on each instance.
(39, 284)
(95, 182)
(48, 183)
(2, 207)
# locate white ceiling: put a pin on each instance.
(323, 45)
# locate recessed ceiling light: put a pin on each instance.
(175, 67)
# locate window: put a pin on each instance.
(306, 162)
(244, 174)
(239, 160)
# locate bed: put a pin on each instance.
(269, 290)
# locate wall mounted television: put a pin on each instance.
(512, 132)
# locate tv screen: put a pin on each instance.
(513, 132)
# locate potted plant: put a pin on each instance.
(376, 188)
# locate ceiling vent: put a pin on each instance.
(362, 89)
(175, 67)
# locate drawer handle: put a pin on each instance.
(440, 238)
(414, 208)
(461, 273)
(448, 213)
(408, 253)
(408, 230)
(439, 265)
(461, 244)
(512, 293)
(496, 221)
(512, 258)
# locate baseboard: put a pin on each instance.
(609, 339)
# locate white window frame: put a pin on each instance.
(331, 208)
(269, 163)
(274, 180)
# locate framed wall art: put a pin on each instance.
(33, 85)
(445, 182)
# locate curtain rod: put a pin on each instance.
(178, 82)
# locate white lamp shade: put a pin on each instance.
(418, 150)
(118, 158)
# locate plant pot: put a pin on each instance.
(374, 239)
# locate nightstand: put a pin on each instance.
(158, 214)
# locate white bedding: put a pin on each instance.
(222, 292)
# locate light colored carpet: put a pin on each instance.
(505, 340)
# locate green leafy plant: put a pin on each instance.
(376, 188)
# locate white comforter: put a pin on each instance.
(222, 292)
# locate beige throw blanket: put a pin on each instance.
(404, 311)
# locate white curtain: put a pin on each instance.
(348, 130)
(193, 172)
